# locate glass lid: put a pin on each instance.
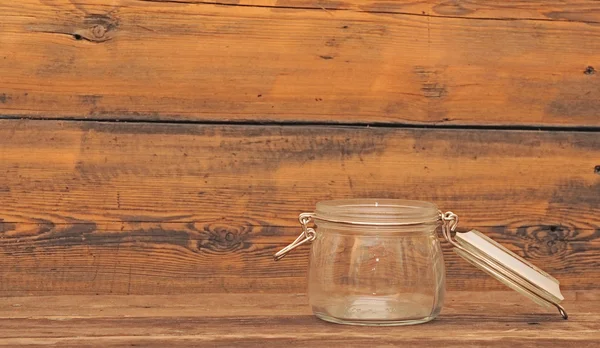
(504, 265)
(510, 269)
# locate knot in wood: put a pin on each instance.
(98, 28)
(223, 238)
(546, 240)
(98, 31)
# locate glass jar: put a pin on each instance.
(379, 262)
(375, 262)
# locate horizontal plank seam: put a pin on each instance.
(165, 221)
(203, 337)
(399, 125)
(328, 9)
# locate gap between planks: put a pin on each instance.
(258, 123)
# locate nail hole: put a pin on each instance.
(589, 70)
(597, 169)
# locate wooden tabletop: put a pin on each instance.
(490, 319)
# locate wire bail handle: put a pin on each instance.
(308, 235)
(449, 224)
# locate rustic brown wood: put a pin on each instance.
(497, 319)
(425, 62)
(138, 208)
(553, 10)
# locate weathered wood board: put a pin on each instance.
(528, 63)
(470, 319)
(145, 208)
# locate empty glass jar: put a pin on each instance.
(379, 262)
(374, 262)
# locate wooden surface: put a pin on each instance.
(242, 114)
(143, 208)
(529, 63)
(224, 120)
(500, 319)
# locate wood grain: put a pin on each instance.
(142, 208)
(497, 319)
(394, 62)
(553, 10)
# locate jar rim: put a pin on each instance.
(374, 211)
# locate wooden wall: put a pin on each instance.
(158, 147)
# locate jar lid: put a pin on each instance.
(504, 265)
(387, 212)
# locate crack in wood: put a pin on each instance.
(77, 36)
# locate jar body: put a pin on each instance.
(376, 275)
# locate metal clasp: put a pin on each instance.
(308, 235)
(449, 224)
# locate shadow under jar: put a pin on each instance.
(376, 262)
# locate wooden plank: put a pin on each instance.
(470, 63)
(276, 341)
(249, 304)
(553, 10)
(163, 258)
(138, 208)
(247, 320)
